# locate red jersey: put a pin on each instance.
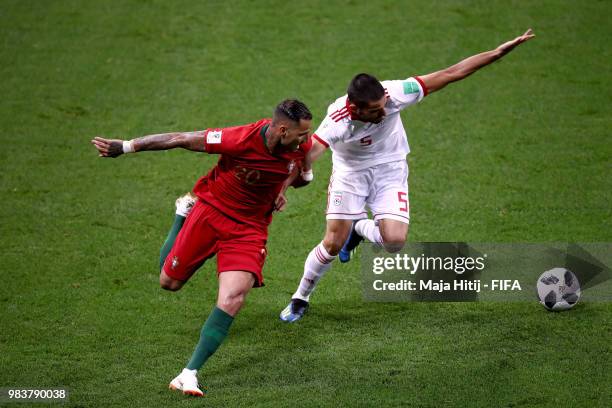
(247, 179)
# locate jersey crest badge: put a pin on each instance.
(214, 137)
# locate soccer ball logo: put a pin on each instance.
(558, 289)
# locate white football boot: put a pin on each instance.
(187, 382)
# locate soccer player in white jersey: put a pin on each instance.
(368, 141)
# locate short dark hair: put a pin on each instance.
(365, 88)
(293, 110)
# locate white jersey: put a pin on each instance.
(358, 145)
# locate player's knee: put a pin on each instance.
(337, 232)
(393, 241)
(232, 302)
(172, 287)
(333, 244)
(393, 247)
(170, 284)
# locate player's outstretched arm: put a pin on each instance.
(313, 155)
(438, 80)
(304, 174)
(301, 176)
(164, 141)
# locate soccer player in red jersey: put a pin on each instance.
(230, 217)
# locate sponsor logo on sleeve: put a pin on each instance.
(214, 137)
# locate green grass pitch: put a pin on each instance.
(520, 152)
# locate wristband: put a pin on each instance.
(307, 175)
(128, 146)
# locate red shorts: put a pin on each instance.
(206, 232)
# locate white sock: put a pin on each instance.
(189, 372)
(369, 230)
(317, 263)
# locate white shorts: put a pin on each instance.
(382, 188)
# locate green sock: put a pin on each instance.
(212, 335)
(179, 220)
